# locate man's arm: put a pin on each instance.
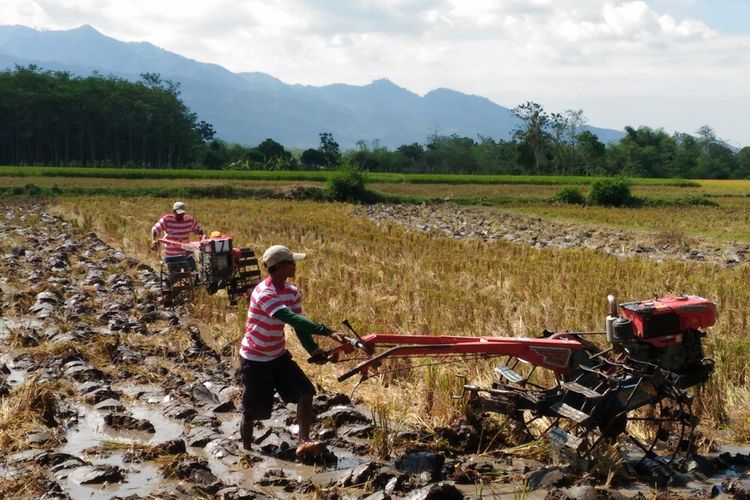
(197, 229)
(156, 231)
(304, 327)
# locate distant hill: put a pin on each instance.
(249, 107)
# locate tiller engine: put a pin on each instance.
(583, 398)
(219, 266)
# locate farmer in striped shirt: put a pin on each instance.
(176, 226)
(266, 365)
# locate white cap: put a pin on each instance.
(179, 207)
(279, 253)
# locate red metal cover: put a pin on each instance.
(692, 311)
(222, 244)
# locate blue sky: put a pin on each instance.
(671, 64)
(727, 16)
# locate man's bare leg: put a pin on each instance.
(246, 432)
(306, 448)
(304, 417)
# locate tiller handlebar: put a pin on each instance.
(554, 352)
(192, 246)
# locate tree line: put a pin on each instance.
(544, 144)
(54, 118)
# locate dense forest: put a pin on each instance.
(54, 118)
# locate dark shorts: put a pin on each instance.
(261, 379)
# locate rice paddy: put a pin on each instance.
(385, 278)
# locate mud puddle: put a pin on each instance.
(140, 483)
(91, 430)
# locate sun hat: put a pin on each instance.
(179, 207)
(279, 253)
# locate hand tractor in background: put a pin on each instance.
(217, 265)
(632, 394)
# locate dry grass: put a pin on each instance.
(111, 445)
(169, 464)
(387, 279)
(67, 350)
(32, 483)
(539, 449)
(29, 407)
(738, 403)
(381, 439)
(726, 222)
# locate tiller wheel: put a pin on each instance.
(642, 411)
(176, 281)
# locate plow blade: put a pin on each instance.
(509, 374)
(589, 393)
(567, 411)
(560, 438)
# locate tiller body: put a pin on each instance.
(581, 396)
(219, 266)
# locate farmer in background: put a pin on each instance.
(176, 226)
(266, 365)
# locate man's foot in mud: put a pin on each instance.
(310, 449)
(246, 433)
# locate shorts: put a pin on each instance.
(261, 379)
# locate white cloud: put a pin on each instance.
(561, 53)
(688, 29)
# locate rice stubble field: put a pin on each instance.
(386, 276)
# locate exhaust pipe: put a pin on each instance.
(611, 317)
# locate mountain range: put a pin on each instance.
(247, 108)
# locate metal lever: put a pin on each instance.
(346, 323)
(359, 344)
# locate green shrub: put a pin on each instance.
(571, 195)
(347, 184)
(611, 192)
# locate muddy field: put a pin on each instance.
(492, 224)
(129, 402)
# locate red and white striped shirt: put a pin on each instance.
(177, 231)
(264, 338)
